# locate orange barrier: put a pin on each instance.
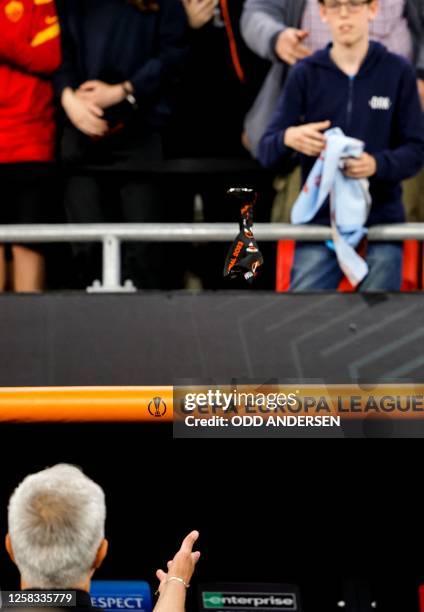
(156, 404)
(30, 404)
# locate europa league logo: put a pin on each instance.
(157, 407)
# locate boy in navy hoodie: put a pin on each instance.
(371, 94)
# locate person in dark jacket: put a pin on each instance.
(121, 60)
(346, 86)
(220, 81)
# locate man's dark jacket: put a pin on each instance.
(113, 41)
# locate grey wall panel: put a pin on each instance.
(157, 339)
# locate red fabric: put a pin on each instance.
(411, 265)
(410, 271)
(422, 598)
(29, 52)
(233, 46)
(285, 257)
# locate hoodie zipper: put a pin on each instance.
(350, 101)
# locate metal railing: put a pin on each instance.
(111, 235)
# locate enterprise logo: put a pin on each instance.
(249, 601)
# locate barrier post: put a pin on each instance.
(111, 256)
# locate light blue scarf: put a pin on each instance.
(350, 201)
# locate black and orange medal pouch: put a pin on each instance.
(244, 258)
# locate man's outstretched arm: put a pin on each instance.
(174, 583)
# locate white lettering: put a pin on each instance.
(380, 103)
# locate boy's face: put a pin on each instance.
(348, 19)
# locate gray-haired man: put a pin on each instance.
(57, 539)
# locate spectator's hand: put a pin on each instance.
(420, 85)
(360, 167)
(307, 139)
(199, 12)
(245, 141)
(101, 94)
(85, 116)
(183, 564)
(288, 46)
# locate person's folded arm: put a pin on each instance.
(66, 76)
(407, 157)
(261, 22)
(169, 61)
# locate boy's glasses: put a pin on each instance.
(353, 6)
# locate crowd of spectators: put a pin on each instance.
(98, 96)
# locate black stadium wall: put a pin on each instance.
(276, 512)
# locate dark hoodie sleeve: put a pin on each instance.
(272, 152)
(406, 157)
(171, 55)
(66, 76)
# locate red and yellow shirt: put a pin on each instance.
(29, 54)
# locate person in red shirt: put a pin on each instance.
(29, 54)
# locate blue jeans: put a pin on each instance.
(315, 267)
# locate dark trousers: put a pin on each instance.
(110, 199)
(316, 268)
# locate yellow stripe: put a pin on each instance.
(37, 2)
(45, 35)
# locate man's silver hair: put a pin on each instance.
(56, 525)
